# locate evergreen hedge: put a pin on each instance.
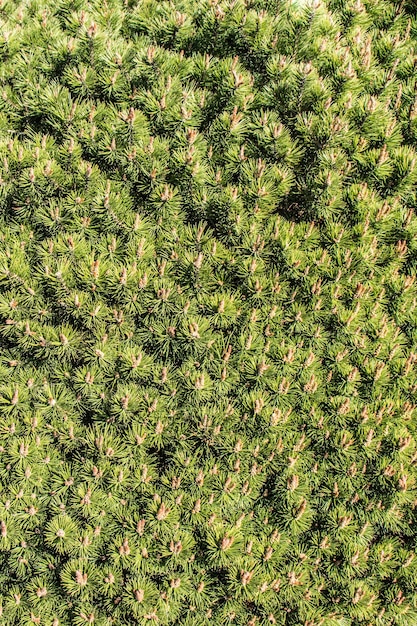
(208, 325)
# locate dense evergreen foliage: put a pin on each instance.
(208, 323)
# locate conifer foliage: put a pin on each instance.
(208, 323)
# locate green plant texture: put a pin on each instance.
(208, 313)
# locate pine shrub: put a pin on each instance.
(208, 325)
